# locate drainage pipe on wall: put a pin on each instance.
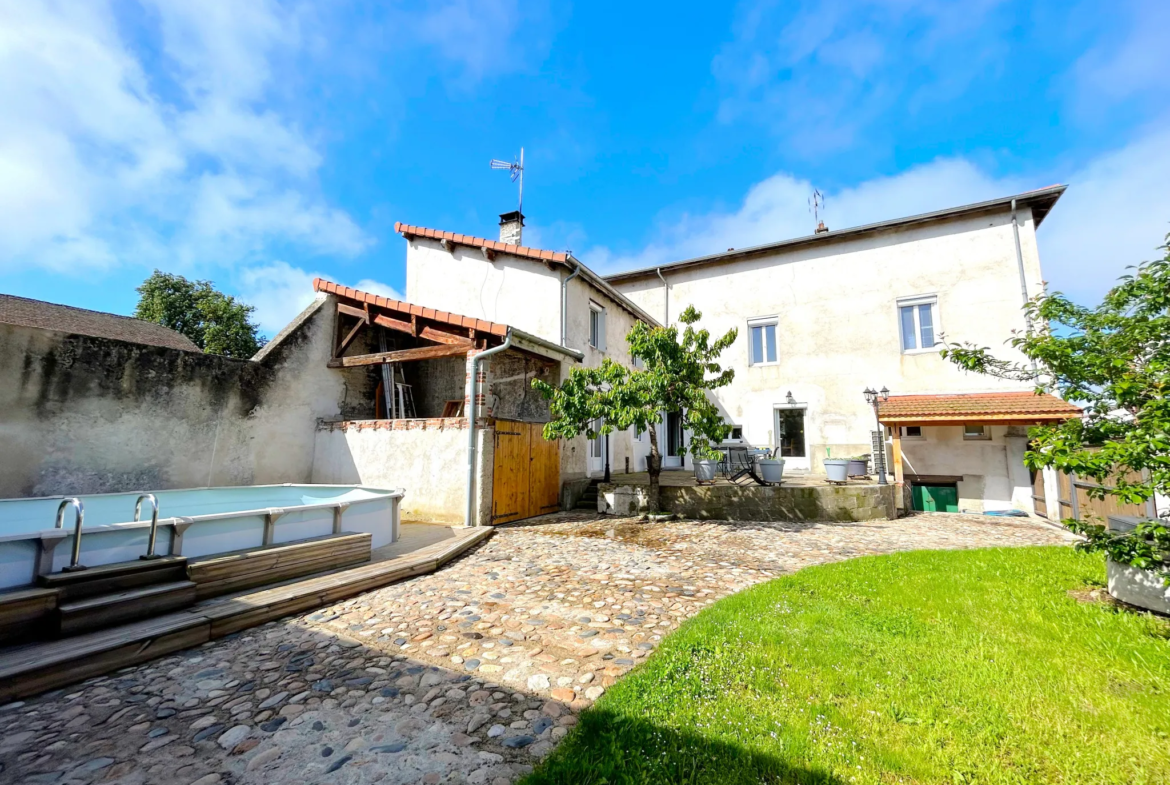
(472, 385)
(665, 297)
(565, 306)
(1020, 265)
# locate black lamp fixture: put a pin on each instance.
(872, 397)
(791, 401)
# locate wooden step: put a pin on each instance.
(224, 573)
(23, 612)
(33, 668)
(106, 610)
(109, 578)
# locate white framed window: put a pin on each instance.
(736, 434)
(597, 442)
(974, 433)
(918, 323)
(762, 341)
(596, 326)
(639, 364)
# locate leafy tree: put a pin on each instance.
(1114, 360)
(675, 377)
(216, 322)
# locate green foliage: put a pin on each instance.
(930, 667)
(217, 323)
(1114, 360)
(676, 375)
(1146, 547)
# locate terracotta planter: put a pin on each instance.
(837, 469)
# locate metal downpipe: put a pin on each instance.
(470, 519)
(665, 297)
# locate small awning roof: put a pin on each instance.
(990, 408)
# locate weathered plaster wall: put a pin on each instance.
(838, 331)
(427, 458)
(434, 382)
(508, 290)
(87, 415)
(511, 396)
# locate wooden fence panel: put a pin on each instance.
(1039, 503)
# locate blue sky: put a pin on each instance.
(259, 144)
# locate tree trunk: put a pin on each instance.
(654, 468)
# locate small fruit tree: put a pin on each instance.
(675, 376)
(1114, 361)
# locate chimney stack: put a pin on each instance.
(512, 227)
(821, 228)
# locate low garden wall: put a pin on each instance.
(757, 503)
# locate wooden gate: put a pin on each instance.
(1075, 502)
(526, 477)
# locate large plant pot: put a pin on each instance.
(837, 469)
(705, 470)
(772, 470)
(858, 467)
(1136, 586)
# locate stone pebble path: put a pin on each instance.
(468, 675)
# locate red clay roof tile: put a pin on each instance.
(1018, 407)
(457, 320)
(480, 242)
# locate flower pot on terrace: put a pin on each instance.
(705, 469)
(772, 470)
(858, 467)
(837, 469)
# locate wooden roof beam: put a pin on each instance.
(401, 356)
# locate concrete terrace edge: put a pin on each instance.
(784, 504)
(28, 670)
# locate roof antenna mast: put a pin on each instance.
(517, 170)
(816, 203)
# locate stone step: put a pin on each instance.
(95, 613)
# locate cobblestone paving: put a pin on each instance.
(468, 675)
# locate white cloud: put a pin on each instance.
(279, 291)
(1115, 213)
(103, 159)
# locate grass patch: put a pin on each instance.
(925, 667)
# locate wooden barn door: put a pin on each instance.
(526, 479)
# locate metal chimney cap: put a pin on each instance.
(512, 217)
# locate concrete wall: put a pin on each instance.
(427, 458)
(89, 415)
(838, 329)
(756, 503)
(993, 472)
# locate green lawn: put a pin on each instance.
(926, 667)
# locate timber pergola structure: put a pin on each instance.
(991, 408)
(445, 334)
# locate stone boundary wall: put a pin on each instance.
(757, 503)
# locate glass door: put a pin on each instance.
(673, 427)
(790, 437)
(597, 451)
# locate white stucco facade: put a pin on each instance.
(835, 304)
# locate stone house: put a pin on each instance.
(823, 317)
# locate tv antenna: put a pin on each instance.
(816, 203)
(517, 170)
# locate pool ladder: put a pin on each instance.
(75, 564)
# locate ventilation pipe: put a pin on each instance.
(565, 307)
(665, 297)
(472, 385)
(1020, 265)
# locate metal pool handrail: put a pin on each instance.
(74, 564)
(150, 542)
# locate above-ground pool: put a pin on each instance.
(194, 522)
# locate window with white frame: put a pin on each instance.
(762, 341)
(976, 433)
(918, 322)
(596, 326)
(906, 431)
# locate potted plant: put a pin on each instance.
(837, 469)
(706, 465)
(772, 470)
(859, 466)
(1137, 563)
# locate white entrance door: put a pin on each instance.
(597, 451)
(790, 436)
(672, 440)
